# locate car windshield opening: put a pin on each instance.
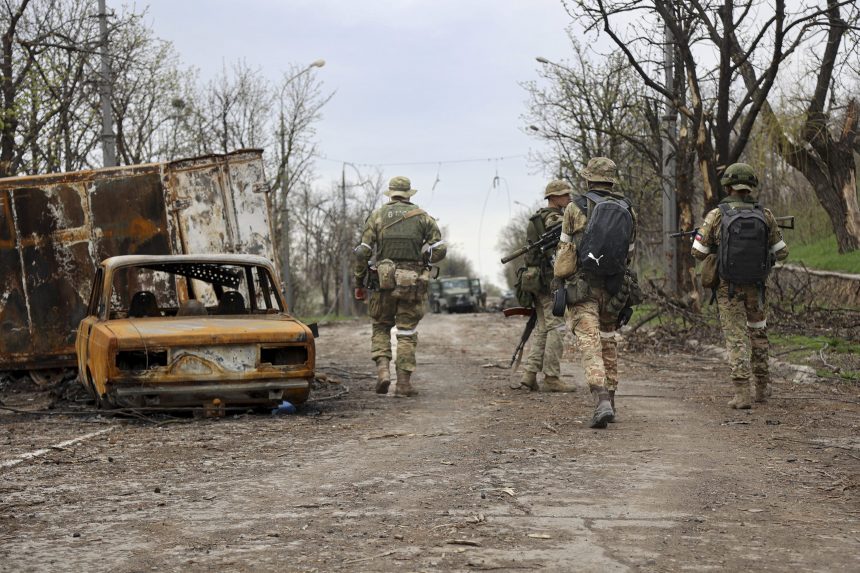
(192, 289)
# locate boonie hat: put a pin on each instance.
(601, 169)
(557, 187)
(400, 186)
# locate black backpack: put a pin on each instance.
(605, 243)
(743, 254)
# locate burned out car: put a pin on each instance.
(208, 331)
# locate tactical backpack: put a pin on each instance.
(605, 243)
(743, 254)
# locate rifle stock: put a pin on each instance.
(518, 311)
(527, 332)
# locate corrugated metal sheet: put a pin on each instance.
(55, 229)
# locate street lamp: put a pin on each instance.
(315, 64)
(288, 276)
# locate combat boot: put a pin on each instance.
(603, 411)
(383, 375)
(612, 403)
(741, 400)
(529, 381)
(554, 384)
(404, 385)
(762, 390)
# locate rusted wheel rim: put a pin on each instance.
(47, 377)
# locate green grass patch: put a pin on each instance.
(815, 343)
(823, 254)
(801, 349)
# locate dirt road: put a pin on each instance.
(468, 476)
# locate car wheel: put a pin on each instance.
(47, 377)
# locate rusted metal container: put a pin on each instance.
(56, 229)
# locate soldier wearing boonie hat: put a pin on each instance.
(548, 337)
(405, 240)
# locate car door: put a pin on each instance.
(82, 342)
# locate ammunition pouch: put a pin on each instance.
(628, 295)
(409, 284)
(577, 290)
(565, 261)
(524, 298)
(710, 272)
(386, 270)
(531, 280)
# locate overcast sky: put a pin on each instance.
(417, 82)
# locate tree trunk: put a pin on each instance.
(684, 190)
(838, 195)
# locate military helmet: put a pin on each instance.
(739, 176)
(557, 187)
(601, 169)
(400, 186)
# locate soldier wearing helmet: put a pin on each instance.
(548, 337)
(405, 241)
(594, 300)
(742, 307)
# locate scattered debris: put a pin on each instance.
(469, 542)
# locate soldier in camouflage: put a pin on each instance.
(588, 315)
(548, 337)
(405, 237)
(743, 316)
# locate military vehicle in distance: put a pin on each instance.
(456, 294)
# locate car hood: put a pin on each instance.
(186, 331)
(457, 291)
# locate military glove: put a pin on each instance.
(360, 293)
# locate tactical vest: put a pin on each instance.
(537, 227)
(400, 236)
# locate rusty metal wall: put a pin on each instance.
(55, 229)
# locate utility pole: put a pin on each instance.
(105, 85)
(345, 291)
(670, 202)
(285, 223)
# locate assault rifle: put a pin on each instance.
(527, 331)
(786, 222)
(547, 241)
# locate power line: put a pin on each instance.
(405, 163)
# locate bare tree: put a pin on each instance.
(727, 93)
(300, 102)
(233, 110)
(45, 106)
(824, 146)
(597, 108)
(150, 91)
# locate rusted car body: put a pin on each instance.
(55, 229)
(207, 331)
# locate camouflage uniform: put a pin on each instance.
(405, 234)
(547, 341)
(743, 317)
(588, 318)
